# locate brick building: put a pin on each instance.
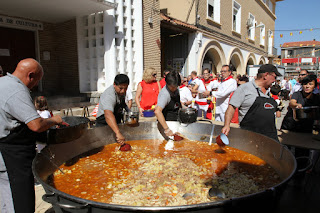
(83, 44)
(239, 33)
(46, 31)
(300, 55)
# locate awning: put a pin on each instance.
(300, 60)
(52, 11)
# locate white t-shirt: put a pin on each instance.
(44, 114)
(283, 84)
(185, 94)
(128, 95)
(223, 95)
(213, 85)
(201, 89)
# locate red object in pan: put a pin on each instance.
(125, 147)
(63, 124)
(177, 137)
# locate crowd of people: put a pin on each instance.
(253, 104)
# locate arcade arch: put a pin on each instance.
(236, 61)
(212, 56)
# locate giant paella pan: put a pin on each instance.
(90, 174)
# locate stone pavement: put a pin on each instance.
(41, 206)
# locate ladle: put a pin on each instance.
(222, 140)
(216, 192)
(170, 144)
(50, 159)
(125, 147)
(188, 195)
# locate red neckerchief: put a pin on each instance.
(275, 97)
(182, 86)
(230, 76)
(206, 81)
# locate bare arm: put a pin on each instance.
(187, 103)
(159, 85)
(43, 124)
(293, 104)
(130, 104)
(227, 119)
(162, 120)
(137, 98)
(111, 121)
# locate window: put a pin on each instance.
(213, 10)
(270, 6)
(270, 42)
(262, 34)
(236, 20)
(252, 27)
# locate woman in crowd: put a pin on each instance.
(298, 100)
(148, 90)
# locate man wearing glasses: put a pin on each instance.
(222, 95)
(256, 107)
(298, 87)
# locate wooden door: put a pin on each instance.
(15, 45)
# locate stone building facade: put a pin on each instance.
(239, 32)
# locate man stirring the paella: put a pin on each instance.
(20, 124)
(111, 105)
(169, 102)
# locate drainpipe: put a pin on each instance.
(197, 10)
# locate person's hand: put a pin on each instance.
(225, 130)
(168, 132)
(120, 138)
(299, 106)
(141, 111)
(57, 119)
(206, 93)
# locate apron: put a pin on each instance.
(261, 118)
(117, 111)
(18, 152)
(170, 112)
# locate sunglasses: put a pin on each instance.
(302, 74)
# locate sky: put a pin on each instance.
(294, 16)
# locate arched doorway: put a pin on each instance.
(262, 60)
(212, 57)
(251, 60)
(236, 61)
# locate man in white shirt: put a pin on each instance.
(128, 98)
(222, 95)
(201, 100)
(185, 94)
